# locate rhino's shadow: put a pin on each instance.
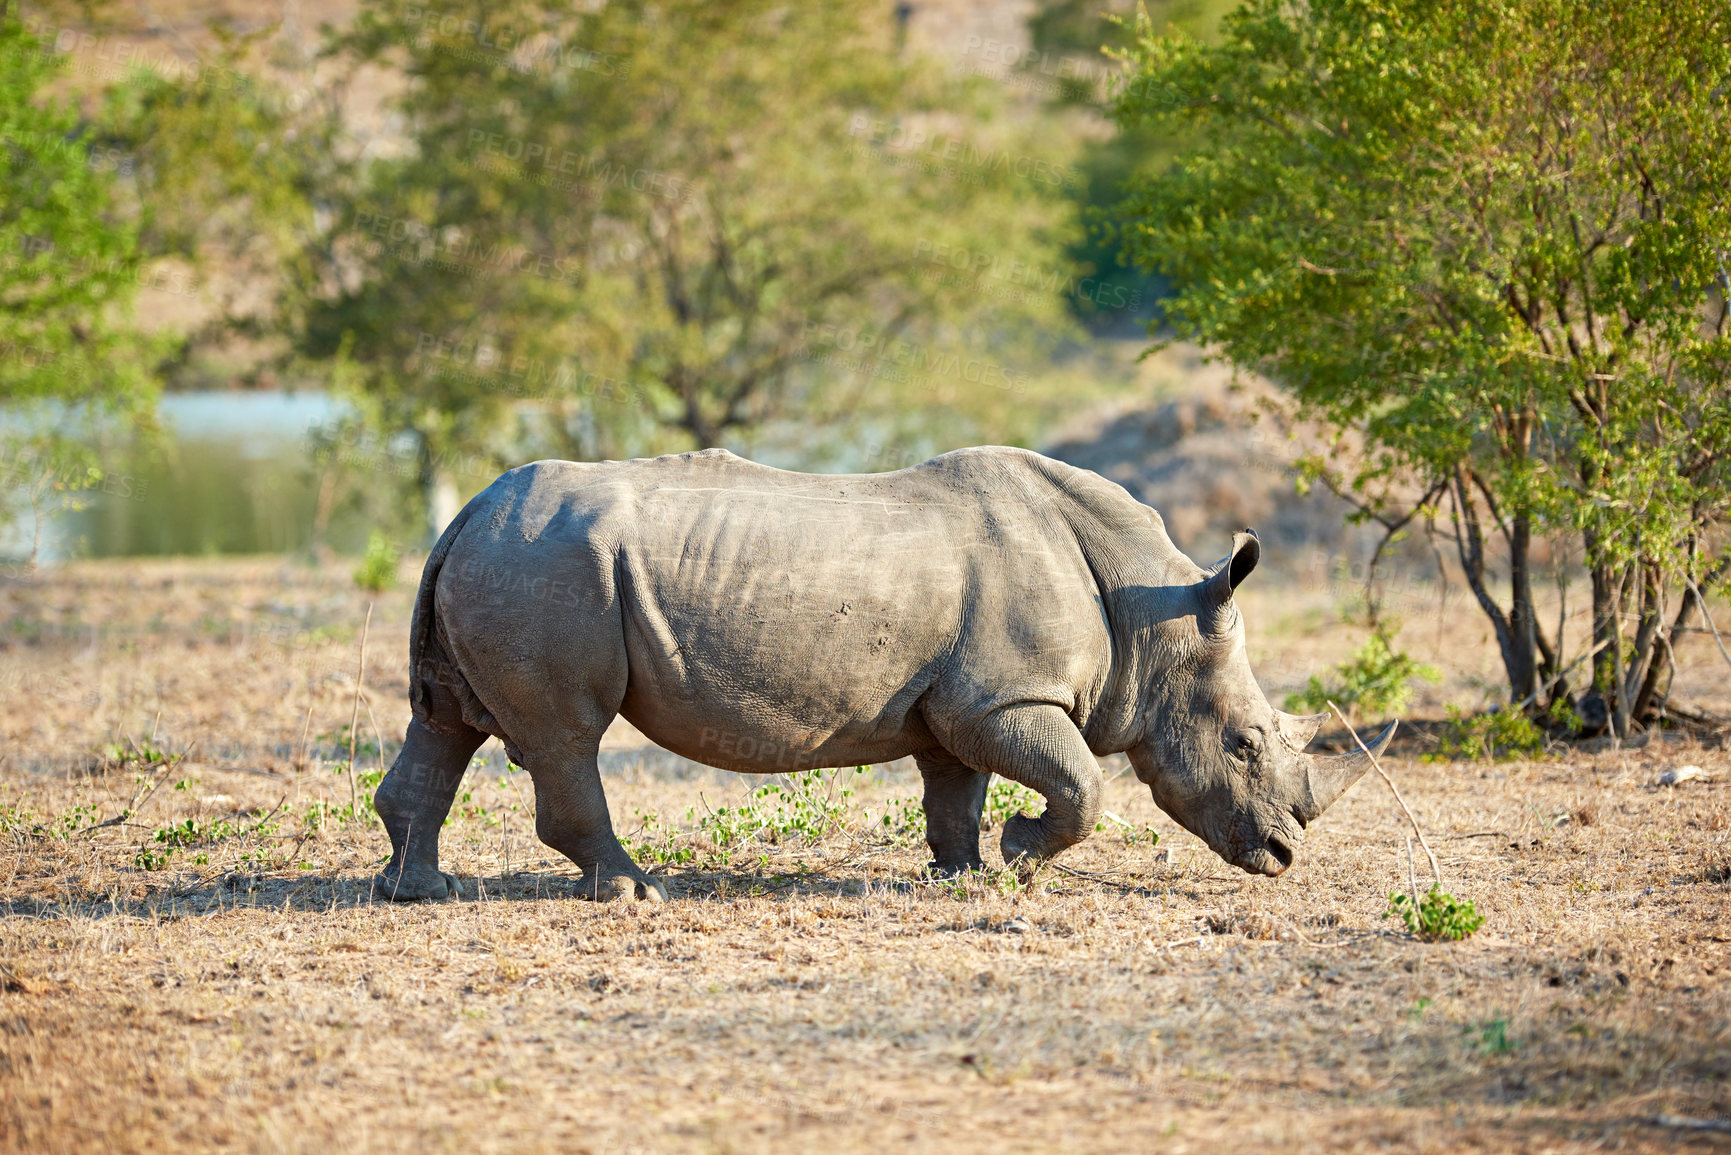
(316, 893)
(327, 892)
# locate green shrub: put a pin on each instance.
(1493, 1037)
(1438, 915)
(903, 821)
(659, 843)
(1501, 736)
(378, 569)
(1005, 800)
(1377, 680)
(810, 805)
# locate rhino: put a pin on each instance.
(991, 611)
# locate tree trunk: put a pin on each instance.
(1604, 595)
(1663, 656)
(1620, 700)
(1470, 543)
(1643, 706)
(1607, 632)
(443, 501)
(439, 486)
(1644, 656)
(1523, 617)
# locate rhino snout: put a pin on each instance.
(1273, 855)
(1277, 855)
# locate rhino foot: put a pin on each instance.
(604, 885)
(416, 883)
(1026, 846)
(1023, 840)
(953, 869)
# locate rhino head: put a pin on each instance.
(1222, 761)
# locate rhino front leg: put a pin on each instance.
(955, 797)
(571, 816)
(1039, 747)
(413, 800)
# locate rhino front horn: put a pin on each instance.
(1330, 776)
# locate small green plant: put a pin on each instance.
(1437, 915)
(1377, 680)
(378, 569)
(334, 746)
(1562, 717)
(1147, 836)
(192, 832)
(149, 859)
(1005, 800)
(18, 822)
(1493, 1037)
(1501, 736)
(657, 842)
(903, 821)
(133, 755)
(808, 806)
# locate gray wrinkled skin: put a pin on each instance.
(991, 611)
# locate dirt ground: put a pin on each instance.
(212, 969)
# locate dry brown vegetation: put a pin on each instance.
(246, 989)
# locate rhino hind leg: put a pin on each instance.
(955, 797)
(1039, 747)
(571, 817)
(413, 800)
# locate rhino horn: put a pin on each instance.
(1330, 776)
(1296, 730)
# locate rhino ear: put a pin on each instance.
(1246, 549)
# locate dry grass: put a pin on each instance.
(812, 995)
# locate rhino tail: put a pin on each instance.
(436, 688)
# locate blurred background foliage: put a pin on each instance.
(419, 245)
(1489, 241)
(842, 236)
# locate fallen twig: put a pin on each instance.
(1436, 871)
(259, 825)
(1411, 879)
(144, 793)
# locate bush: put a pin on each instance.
(1005, 800)
(1438, 915)
(1502, 736)
(378, 569)
(1378, 679)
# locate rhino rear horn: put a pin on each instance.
(1330, 776)
(1296, 730)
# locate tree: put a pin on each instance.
(674, 224)
(233, 163)
(1069, 61)
(70, 364)
(1488, 238)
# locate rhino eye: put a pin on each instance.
(1245, 747)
